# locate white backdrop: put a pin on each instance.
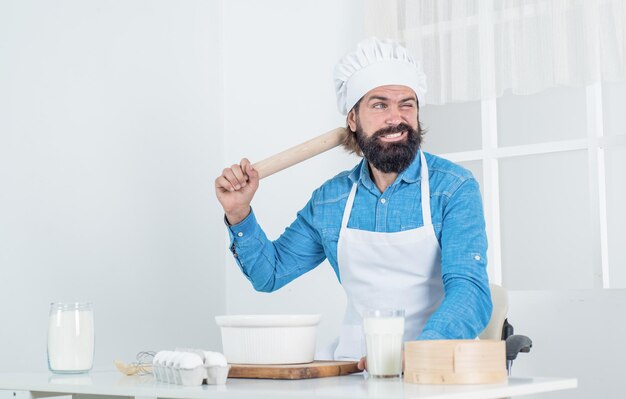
(110, 132)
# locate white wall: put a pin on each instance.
(110, 133)
(278, 63)
(575, 333)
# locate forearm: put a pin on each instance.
(267, 264)
(236, 216)
(466, 307)
(464, 312)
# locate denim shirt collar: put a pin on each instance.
(410, 175)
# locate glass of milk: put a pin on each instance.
(70, 337)
(384, 330)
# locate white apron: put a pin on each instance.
(399, 270)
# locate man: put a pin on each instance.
(402, 229)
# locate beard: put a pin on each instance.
(389, 157)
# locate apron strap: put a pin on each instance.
(348, 208)
(425, 192)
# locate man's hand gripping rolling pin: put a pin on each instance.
(235, 188)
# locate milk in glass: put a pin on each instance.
(70, 337)
(384, 331)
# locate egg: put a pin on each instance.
(189, 361)
(214, 359)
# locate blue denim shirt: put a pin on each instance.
(457, 216)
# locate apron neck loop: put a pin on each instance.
(348, 208)
(425, 191)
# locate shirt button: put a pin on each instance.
(477, 257)
(382, 200)
(240, 234)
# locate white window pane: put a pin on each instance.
(616, 214)
(552, 115)
(476, 167)
(451, 127)
(613, 100)
(545, 222)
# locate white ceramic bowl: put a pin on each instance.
(268, 339)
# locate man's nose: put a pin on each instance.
(394, 117)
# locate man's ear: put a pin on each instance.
(351, 119)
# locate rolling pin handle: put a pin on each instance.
(300, 152)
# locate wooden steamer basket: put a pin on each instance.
(455, 362)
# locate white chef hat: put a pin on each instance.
(376, 63)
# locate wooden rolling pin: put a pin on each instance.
(299, 153)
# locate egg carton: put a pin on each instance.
(191, 367)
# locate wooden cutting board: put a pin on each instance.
(316, 369)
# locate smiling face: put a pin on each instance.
(386, 125)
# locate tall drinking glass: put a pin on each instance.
(70, 337)
(384, 330)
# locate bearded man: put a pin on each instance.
(402, 230)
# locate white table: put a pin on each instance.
(38, 385)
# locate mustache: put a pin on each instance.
(393, 129)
